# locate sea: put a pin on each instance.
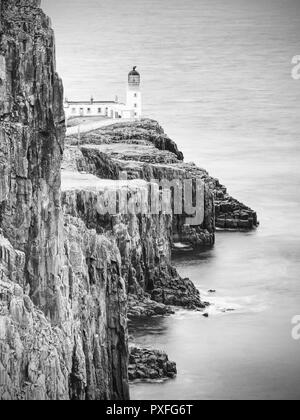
(217, 75)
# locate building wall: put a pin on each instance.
(127, 113)
(93, 110)
(134, 101)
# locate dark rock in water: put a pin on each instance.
(233, 215)
(212, 291)
(147, 364)
(206, 315)
(176, 291)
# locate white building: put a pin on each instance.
(110, 109)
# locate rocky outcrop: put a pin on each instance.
(233, 215)
(141, 305)
(148, 364)
(134, 149)
(140, 149)
(146, 131)
(85, 160)
(144, 240)
(63, 303)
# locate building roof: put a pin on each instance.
(134, 72)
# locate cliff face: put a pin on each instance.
(31, 144)
(63, 326)
(97, 308)
(85, 357)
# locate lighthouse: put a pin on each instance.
(112, 109)
(134, 95)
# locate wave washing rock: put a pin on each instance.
(63, 303)
(148, 364)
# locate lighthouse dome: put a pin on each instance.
(134, 77)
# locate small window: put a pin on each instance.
(73, 110)
(135, 105)
(89, 110)
(135, 114)
(99, 110)
(135, 95)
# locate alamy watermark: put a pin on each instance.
(296, 328)
(296, 67)
(168, 197)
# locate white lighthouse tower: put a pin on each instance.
(134, 95)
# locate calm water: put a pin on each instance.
(217, 75)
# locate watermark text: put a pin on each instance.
(296, 67)
(296, 328)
